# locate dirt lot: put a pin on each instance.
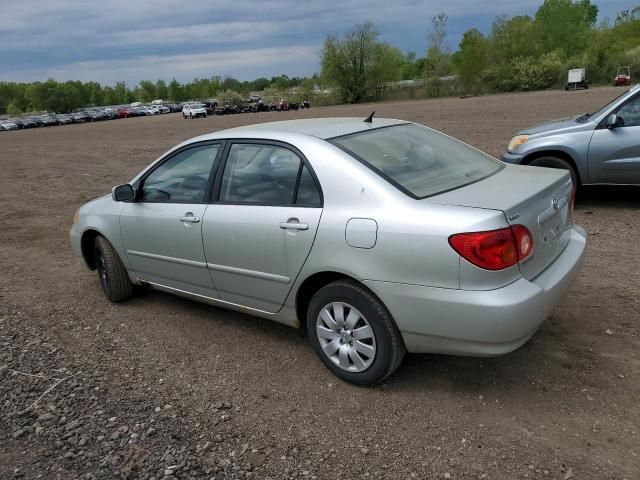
(163, 387)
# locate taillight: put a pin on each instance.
(572, 201)
(494, 249)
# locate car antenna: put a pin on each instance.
(369, 119)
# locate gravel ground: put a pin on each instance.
(161, 387)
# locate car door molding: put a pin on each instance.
(249, 273)
(155, 256)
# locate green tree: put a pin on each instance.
(564, 24)
(358, 64)
(472, 59)
(161, 89)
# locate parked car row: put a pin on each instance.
(86, 115)
(253, 104)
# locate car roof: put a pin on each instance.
(323, 128)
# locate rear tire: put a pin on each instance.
(113, 277)
(557, 162)
(370, 346)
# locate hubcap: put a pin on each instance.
(346, 337)
(102, 272)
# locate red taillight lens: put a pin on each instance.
(494, 249)
(572, 201)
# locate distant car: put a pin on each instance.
(8, 125)
(124, 112)
(49, 120)
(80, 117)
(64, 119)
(163, 108)
(18, 121)
(194, 110)
(380, 237)
(174, 108)
(597, 148)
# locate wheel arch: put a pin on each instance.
(315, 282)
(86, 246)
(554, 153)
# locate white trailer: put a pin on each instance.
(577, 78)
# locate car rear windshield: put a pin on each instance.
(417, 160)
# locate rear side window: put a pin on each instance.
(267, 175)
(417, 160)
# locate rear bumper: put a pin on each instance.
(481, 323)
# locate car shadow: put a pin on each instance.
(609, 196)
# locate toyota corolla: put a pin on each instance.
(377, 237)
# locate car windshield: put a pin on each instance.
(417, 160)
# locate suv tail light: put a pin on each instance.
(494, 249)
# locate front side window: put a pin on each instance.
(265, 174)
(630, 113)
(183, 178)
(417, 160)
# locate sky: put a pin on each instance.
(132, 40)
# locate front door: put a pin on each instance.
(614, 153)
(162, 229)
(260, 228)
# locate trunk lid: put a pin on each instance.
(538, 198)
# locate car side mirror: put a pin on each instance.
(614, 121)
(123, 193)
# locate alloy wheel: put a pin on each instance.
(346, 337)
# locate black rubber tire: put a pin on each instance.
(113, 277)
(389, 345)
(557, 162)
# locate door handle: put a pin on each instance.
(189, 218)
(293, 224)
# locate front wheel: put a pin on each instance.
(113, 276)
(556, 162)
(353, 334)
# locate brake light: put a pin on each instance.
(494, 249)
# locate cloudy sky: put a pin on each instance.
(132, 40)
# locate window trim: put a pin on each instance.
(397, 185)
(603, 123)
(214, 197)
(139, 184)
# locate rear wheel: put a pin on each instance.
(114, 279)
(353, 334)
(557, 162)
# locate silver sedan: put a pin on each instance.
(377, 237)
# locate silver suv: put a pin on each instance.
(597, 148)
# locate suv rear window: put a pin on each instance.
(418, 160)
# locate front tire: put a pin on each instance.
(114, 279)
(353, 333)
(557, 162)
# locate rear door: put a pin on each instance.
(260, 228)
(614, 153)
(162, 229)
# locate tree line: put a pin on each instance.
(63, 97)
(519, 53)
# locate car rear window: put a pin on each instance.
(418, 160)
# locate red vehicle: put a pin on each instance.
(124, 112)
(623, 77)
